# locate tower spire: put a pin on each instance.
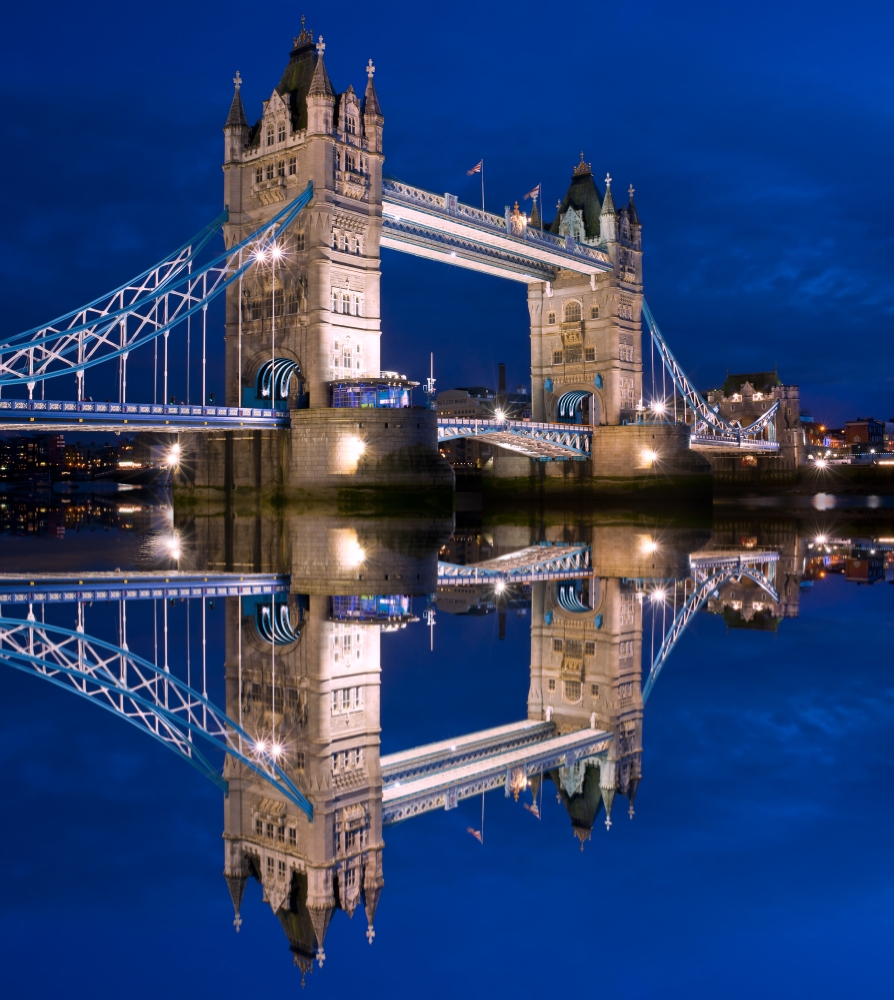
(320, 83)
(236, 118)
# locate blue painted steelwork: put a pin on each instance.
(708, 422)
(70, 588)
(547, 561)
(541, 441)
(567, 594)
(568, 404)
(377, 609)
(118, 323)
(282, 370)
(710, 572)
(281, 633)
(148, 697)
(39, 414)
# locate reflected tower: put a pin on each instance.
(306, 679)
(586, 655)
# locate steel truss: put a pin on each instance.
(540, 441)
(149, 697)
(536, 563)
(709, 574)
(144, 309)
(708, 423)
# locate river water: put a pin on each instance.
(664, 737)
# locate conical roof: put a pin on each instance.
(297, 78)
(584, 807)
(608, 204)
(319, 84)
(583, 196)
(631, 211)
(370, 103)
(236, 118)
(535, 216)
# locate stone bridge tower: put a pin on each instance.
(586, 335)
(323, 295)
(586, 654)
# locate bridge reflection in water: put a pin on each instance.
(307, 793)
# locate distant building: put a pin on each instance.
(865, 434)
(743, 398)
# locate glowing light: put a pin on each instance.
(276, 251)
(354, 448)
(659, 406)
(172, 544)
(650, 455)
(658, 596)
(276, 750)
(261, 747)
(352, 554)
(650, 545)
(499, 414)
(499, 587)
(173, 456)
(821, 463)
(821, 539)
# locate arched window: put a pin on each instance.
(572, 312)
(259, 174)
(335, 304)
(345, 303)
(571, 692)
(270, 171)
(269, 135)
(282, 132)
(346, 357)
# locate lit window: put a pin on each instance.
(293, 165)
(590, 354)
(557, 357)
(572, 312)
(269, 135)
(282, 132)
(594, 312)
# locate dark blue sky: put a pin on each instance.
(758, 137)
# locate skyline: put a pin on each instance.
(753, 257)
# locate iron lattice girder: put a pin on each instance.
(731, 435)
(432, 757)
(445, 789)
(417, 221)
(70, 588)
(149, 697)
(536, 440)
(710, 572)
(139, 312)
(72, 415)
(533, 564)
(720, 443)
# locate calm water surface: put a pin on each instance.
(719, 684)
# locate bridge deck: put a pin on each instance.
(73, 415)
(542, 441)
(718, 444)
(534, 563)
(450, 753)
(445, 788)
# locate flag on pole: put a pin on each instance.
(535, 193)
(476, 169)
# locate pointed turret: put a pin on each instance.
(320, 917)
(631, 793)
(371, 113)
(583, 196)
(236, 118)
(535, 216)
(236, 885)
(608, 215)
(608, 797)
(631, 209)
(320, 84)
(320, 96)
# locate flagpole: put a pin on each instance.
(482, 185)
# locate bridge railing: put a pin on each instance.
(52, 406)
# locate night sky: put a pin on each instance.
(758, 137)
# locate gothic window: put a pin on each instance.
(335, 307)
(551, 318)
(590, 648)
(557, 645)
(590, 354)
(299, 760)
(626, 352)
(299, 242)
(281, 868)
(345, 303)
(270, 171)
(259, 828)
(571, 692)
(346, 355)
(281, 168)
(270, 831)
(573, 355)
(292, 302)
(350, 125)
(573, 647)
(594, 312)
(281, 132)
(269, 135)
(557, 357)
(259, 174)
(551, 684)
(357, 251)
(572, 312)
(293, 837)
(336, 159)
(293, 165)
(270, 867)
(281, 834)
(627, 399)
(626, 611)
(350, 877)
(594, 690)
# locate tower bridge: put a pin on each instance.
(308, 211)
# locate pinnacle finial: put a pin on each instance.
(582, 168)
(237, 922)
(370, 933)
(608, 180)
(321, 47)
(305, 36)
(630, 191)
(370, 69)
(237, 79)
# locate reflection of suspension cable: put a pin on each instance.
(188, 670)
(204, 673)
(239, 616)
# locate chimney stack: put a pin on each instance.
(502, 368)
